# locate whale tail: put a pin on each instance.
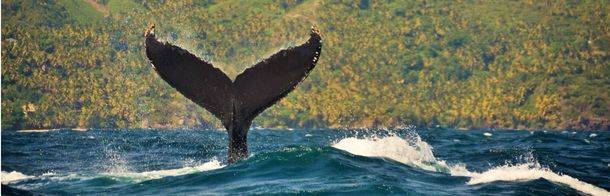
(236, 103)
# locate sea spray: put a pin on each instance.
(115, 162)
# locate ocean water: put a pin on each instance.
(408, 161)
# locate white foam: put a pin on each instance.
(419, 154)
(529, 171)
(593, 135)
(36, 130)
(487, 134)
(156, 174)
(392, 147)
(7, 177)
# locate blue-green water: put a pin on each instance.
(402, 162)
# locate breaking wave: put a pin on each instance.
(417, 153)
(7, 177)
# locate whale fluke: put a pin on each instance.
(235, 103)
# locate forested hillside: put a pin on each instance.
(466, 63)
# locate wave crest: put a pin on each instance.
(415, 153)
(532, 171)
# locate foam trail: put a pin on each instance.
(149, 175)
(36, 130)
(7, 177)
(419, 154)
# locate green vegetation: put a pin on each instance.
(123, 6)
(466, 63)
(80, 12)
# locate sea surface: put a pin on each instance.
(409, 161)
